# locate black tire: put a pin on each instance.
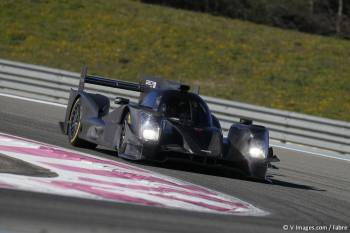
(122, 141)
(74, 127)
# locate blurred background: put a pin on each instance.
(291, 55)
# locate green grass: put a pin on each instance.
(230, 59)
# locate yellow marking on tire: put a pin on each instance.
(75, 133)
(75, 136)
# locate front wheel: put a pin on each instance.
(122, 141)
(74, 127)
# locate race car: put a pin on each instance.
(168, 121)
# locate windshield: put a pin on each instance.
(185, 108)
(151, 99)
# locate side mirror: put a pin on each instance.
(121, 100)
(245, 121)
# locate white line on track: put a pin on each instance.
(339, 157)
(33, 100)
(313, 153)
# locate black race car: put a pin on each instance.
(168, 121)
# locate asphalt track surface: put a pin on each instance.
(307, 191)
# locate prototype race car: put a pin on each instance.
(168, 121)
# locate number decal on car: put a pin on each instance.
(151, 84)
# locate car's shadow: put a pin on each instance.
(222, 171)
(217, 170)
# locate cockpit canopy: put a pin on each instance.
(178, 106)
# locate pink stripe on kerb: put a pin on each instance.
(166, 190)
(197, 203)
(5, 185)
(102, 193)
(127, 175)
(50, 152)
(128, 198)
(87, 176)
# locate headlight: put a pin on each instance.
(257, 153)
(150, 129)
(150, 134)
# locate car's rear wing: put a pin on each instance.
(145, 84)
(101, 81)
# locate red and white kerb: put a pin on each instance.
(87, 176)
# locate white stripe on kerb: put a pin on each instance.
(86, 176)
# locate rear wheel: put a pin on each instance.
(74, 127)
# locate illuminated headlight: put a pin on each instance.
(150, 134)
(149, 128)
(256, 152)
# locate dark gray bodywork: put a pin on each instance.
(147, 131)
